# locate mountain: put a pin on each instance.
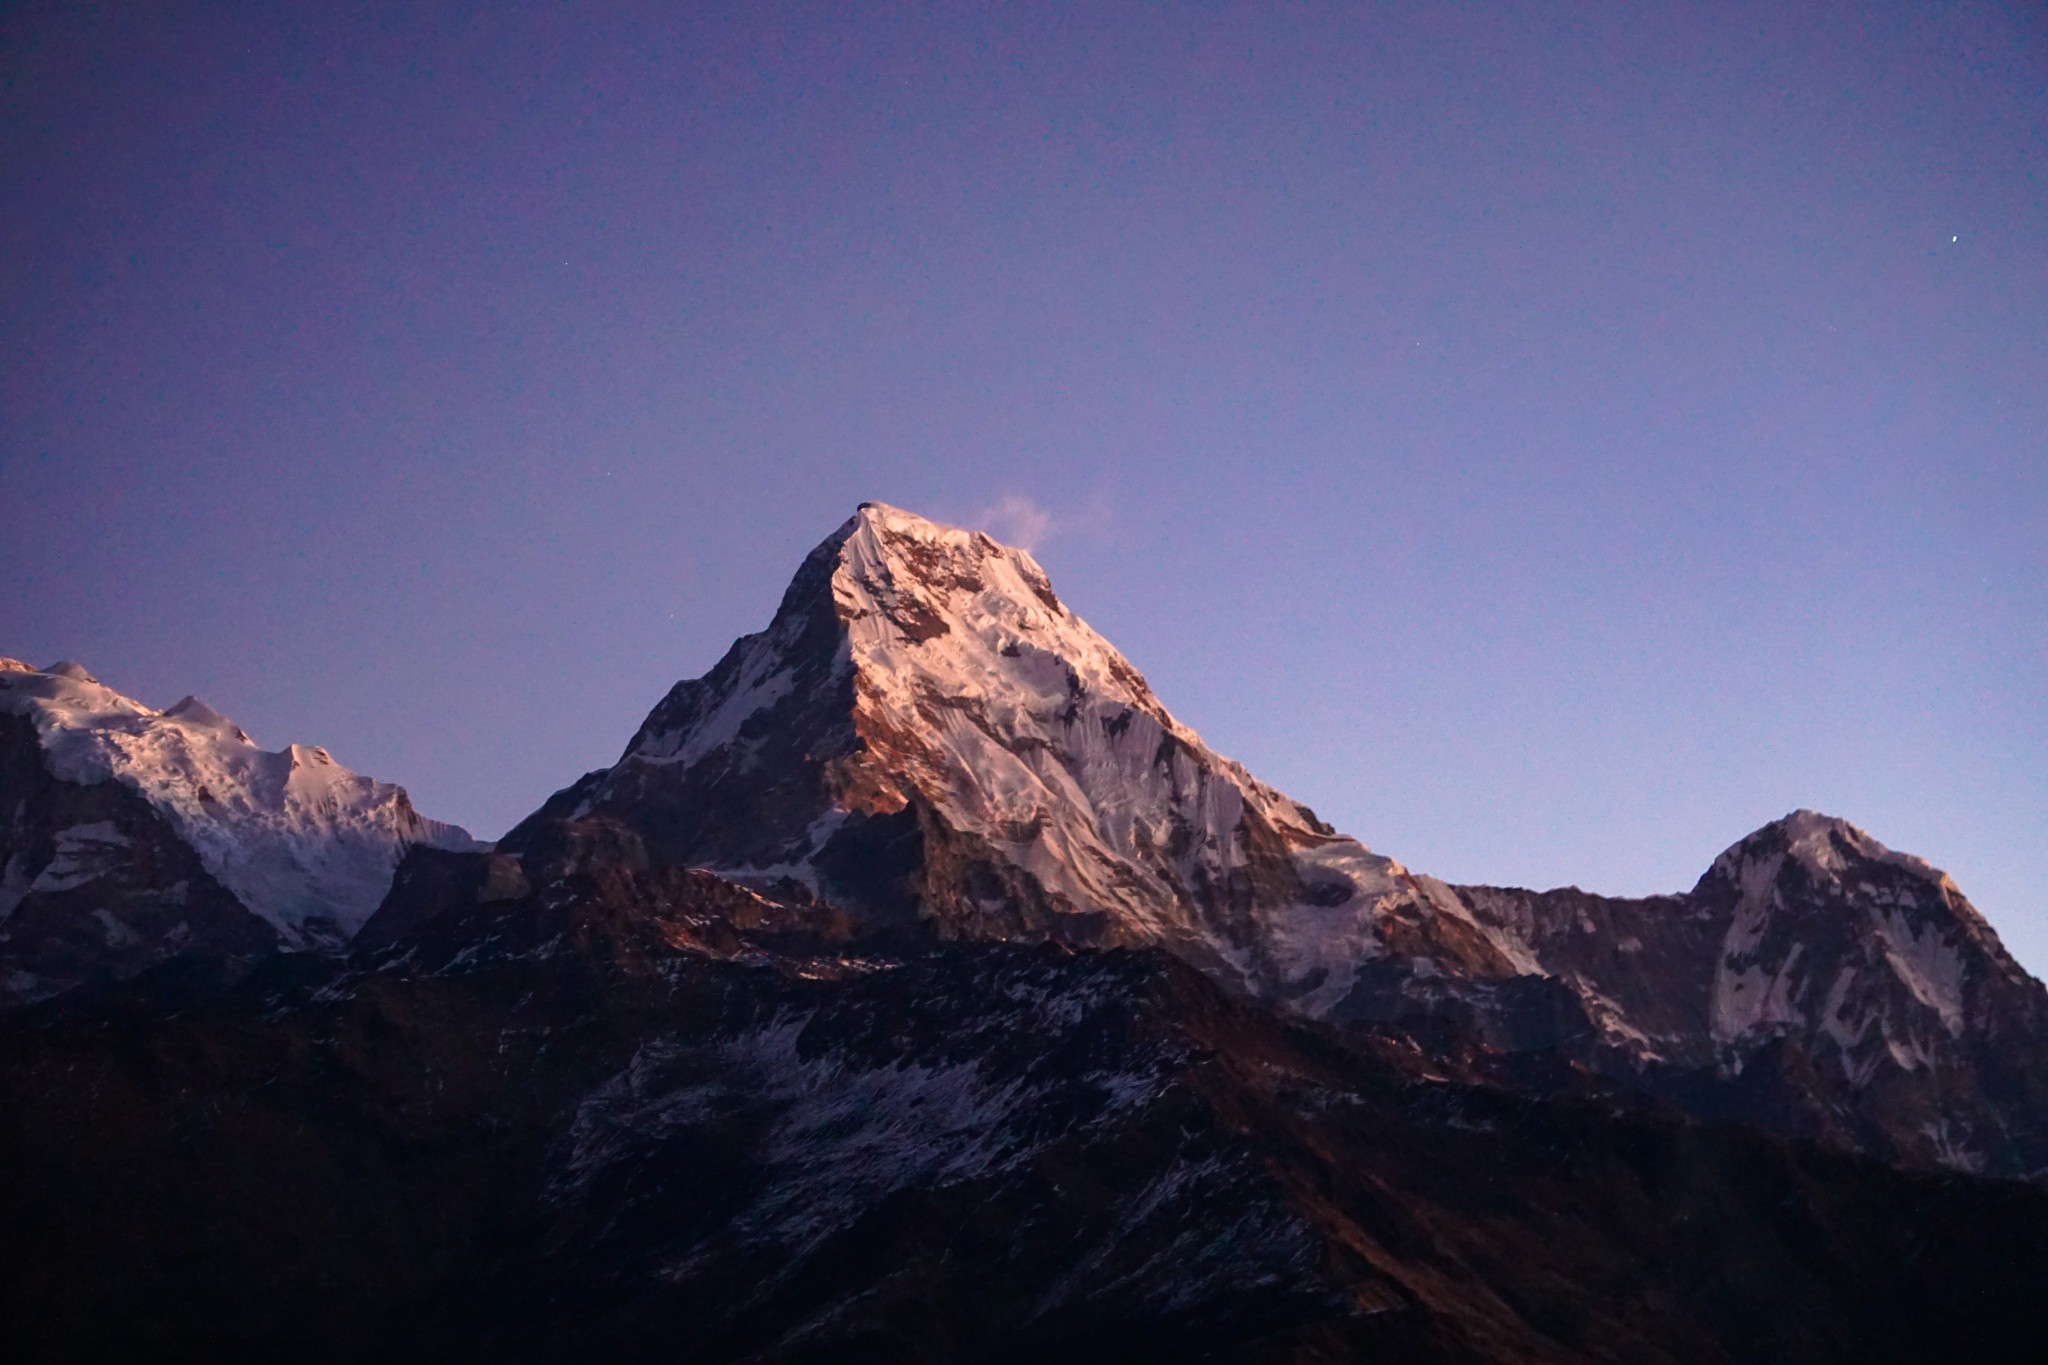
(926, 734)
(916, 987)
(1816, 982)
(563, 1109)
(135, 835)
(926, 738)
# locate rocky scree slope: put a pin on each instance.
(128, 835)
(927, 738)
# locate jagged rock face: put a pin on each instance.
(1816, 981)
(926, 733)
(132, 834)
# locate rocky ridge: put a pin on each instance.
(1816, 982)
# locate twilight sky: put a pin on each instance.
(1550, 440)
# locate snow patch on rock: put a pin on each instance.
(1927, 962)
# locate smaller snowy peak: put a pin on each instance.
(198, 715)
(63, 696)
(1827, 848)
(1825, 842)
(304, 843)
(1831, 933)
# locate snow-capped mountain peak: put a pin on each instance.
(1826, 846)
(196, 714)
(926, 734)
(924, 702)
(304, 843)
(1821, 916)
(955, 609)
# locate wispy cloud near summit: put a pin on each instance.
(1018, 519)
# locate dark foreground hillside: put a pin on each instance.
(646, 1116)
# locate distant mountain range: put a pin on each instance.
(916, 987)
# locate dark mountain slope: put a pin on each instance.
(647, 1115)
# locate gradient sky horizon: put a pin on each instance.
(1550, 440)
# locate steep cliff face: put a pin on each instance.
(129, 835)
(927, 734)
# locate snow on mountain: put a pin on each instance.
(925, 734)
(304, 843)
(1827, 928)
(1827, 985)
(923, 696)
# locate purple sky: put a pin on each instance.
(1549, 440)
